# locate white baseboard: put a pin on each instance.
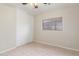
(6, 50)
(48, 43)
(43, 42)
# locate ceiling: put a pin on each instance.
(41, 7)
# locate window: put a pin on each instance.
(53, 24)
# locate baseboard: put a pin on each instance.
(43, 42)
(25, 43)
(48, 43)
(6, 50)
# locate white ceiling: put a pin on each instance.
(41, 7)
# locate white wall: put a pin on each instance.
(7, 27)
(24, 27)
(16, 27)
(69, 37)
